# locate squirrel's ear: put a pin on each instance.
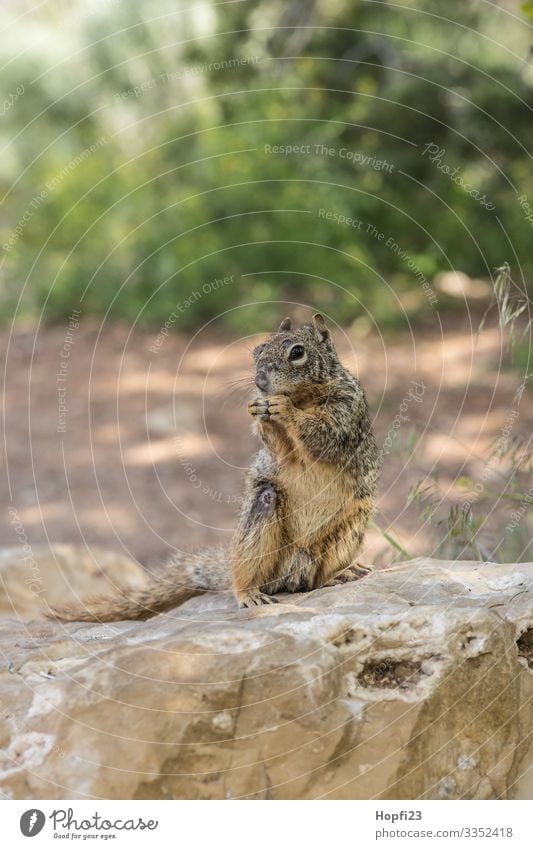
(320, 327)
(285, 325)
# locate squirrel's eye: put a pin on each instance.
(296, 352)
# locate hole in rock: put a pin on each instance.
(391, 673)
(524, 645)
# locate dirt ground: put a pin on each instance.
(151, 448)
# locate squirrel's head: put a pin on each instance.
(292, 360)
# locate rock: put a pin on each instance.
(413, 683)
(460, 285)
(31, 575)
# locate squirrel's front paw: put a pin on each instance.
(258, 408)
(281, 409)
(253, 598)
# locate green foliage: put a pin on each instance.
(181, 190)
(493, 520)
(510, 303)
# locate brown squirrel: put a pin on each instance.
(309, 492)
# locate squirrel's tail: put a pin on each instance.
(184, 576)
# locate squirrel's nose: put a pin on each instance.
(261, 380)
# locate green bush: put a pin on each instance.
(151, 195)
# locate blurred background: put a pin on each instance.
(176, 177)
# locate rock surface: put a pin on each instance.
(412, 683)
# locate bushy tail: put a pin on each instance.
(183, 577)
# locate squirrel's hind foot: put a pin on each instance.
(255, 599)
(351, 573)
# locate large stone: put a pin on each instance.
(412, 683)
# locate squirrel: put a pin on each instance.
(309, 492)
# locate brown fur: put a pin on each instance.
(185, 576)
(308, 496)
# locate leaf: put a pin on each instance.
(393, 542)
